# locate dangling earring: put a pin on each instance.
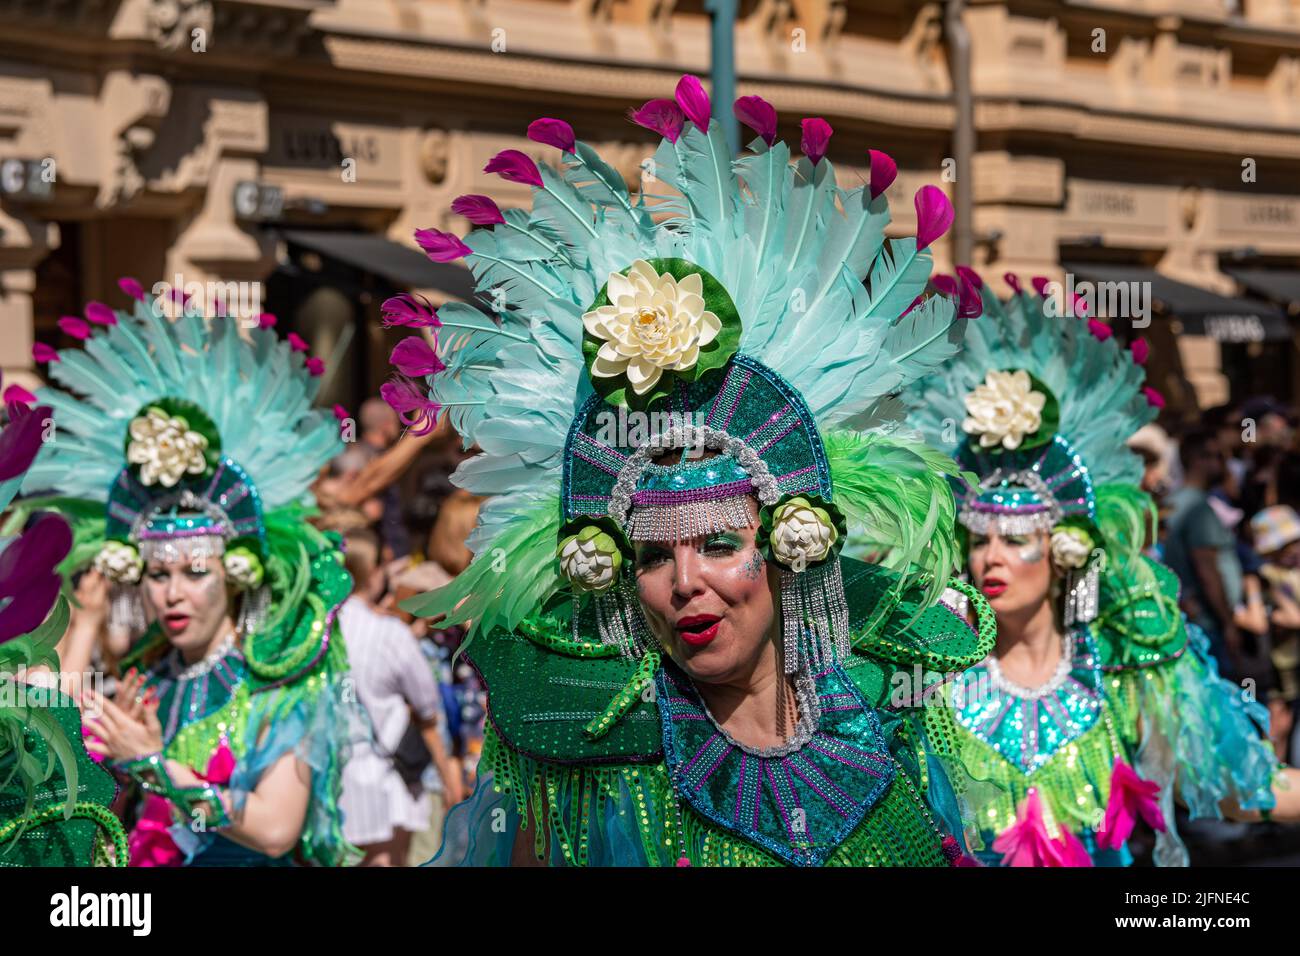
(126, 610)
(1082, 595)
(253, 610)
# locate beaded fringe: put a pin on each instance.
(814, 616)
(253, 610)
(619, 620)
(126, 610)
(563, 803)
(1006, 524)
(689, 519)
(1082, 595)
(196, 550)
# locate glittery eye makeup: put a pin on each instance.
(1030, 552)
(725, 542)
(753, 566)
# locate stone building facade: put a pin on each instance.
(218, 141)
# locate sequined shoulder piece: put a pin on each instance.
(1139, 623)
(889, 634)
(49, 836)
(544, 688)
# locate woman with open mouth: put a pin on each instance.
(680, 418)
(183, 465)
(1100, 705)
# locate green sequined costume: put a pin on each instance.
(54, 800)
(191, 439)
(758, 323)
(661, 785)
(1135, 715)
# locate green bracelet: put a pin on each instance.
(150, 772)
(205, 801)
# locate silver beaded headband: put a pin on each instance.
(688, 519)
(1006, 520)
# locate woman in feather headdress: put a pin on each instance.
(680, 417)
(183, 468)
(1099, 705)
(54, 802)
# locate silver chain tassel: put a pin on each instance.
(1082, 595)
(126, 610)
(814, 617)
(689, 520)
(253, 610)
(619, 620)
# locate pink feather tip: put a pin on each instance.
(883, 171)
(816, 138)
(1154, 398)
(693, 100)
(663, 117)
(414, 409)
(75, 327)
(759, 115)
(42, 353)
(131, 287)
(552, 132)
(100, 314)
(1140, 350)
(934, 214)
(1131, 799)
(480, 210)
(17, 395)
(1100, 330)
(441, 246)
(515, 167)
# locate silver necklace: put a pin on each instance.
(805, 694)
(1051, 686)
(205, 666)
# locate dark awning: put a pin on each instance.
(399, 264)
(1201, 312)
(1281, 286)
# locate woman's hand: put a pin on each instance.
(122, 737)
(92, 600)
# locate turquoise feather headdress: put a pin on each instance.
(1039, 405)
(763, 269)
(188, 437)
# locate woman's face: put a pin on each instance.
(188, 598)
(709, 602)
(1013, 571)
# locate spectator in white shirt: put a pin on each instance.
(393, 683)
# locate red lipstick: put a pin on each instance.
(698, 629)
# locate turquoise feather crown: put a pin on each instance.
(180, 438)
(1040, 405)
(753, 311)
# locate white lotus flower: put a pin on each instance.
(242, 568)
(119, 562)
(1004, 410)
(653, 323)
(590, 559)
(165, 448)
(801, 533)
(1071, 548)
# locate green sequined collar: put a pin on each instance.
(800, 806)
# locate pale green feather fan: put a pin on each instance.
(247, 397)
(1086, 397)
(812, 289)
